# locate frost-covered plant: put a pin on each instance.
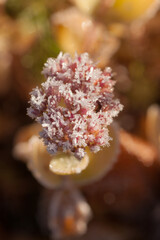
(74, 105)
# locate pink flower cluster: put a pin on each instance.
(74, 105)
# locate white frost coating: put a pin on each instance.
(74, 105)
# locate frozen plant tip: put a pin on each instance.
(74, 105)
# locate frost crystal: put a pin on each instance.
(74, 105)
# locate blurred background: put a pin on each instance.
(122, 34)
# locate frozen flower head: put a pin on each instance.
(74, 105)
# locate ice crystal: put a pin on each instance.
(74, 105)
